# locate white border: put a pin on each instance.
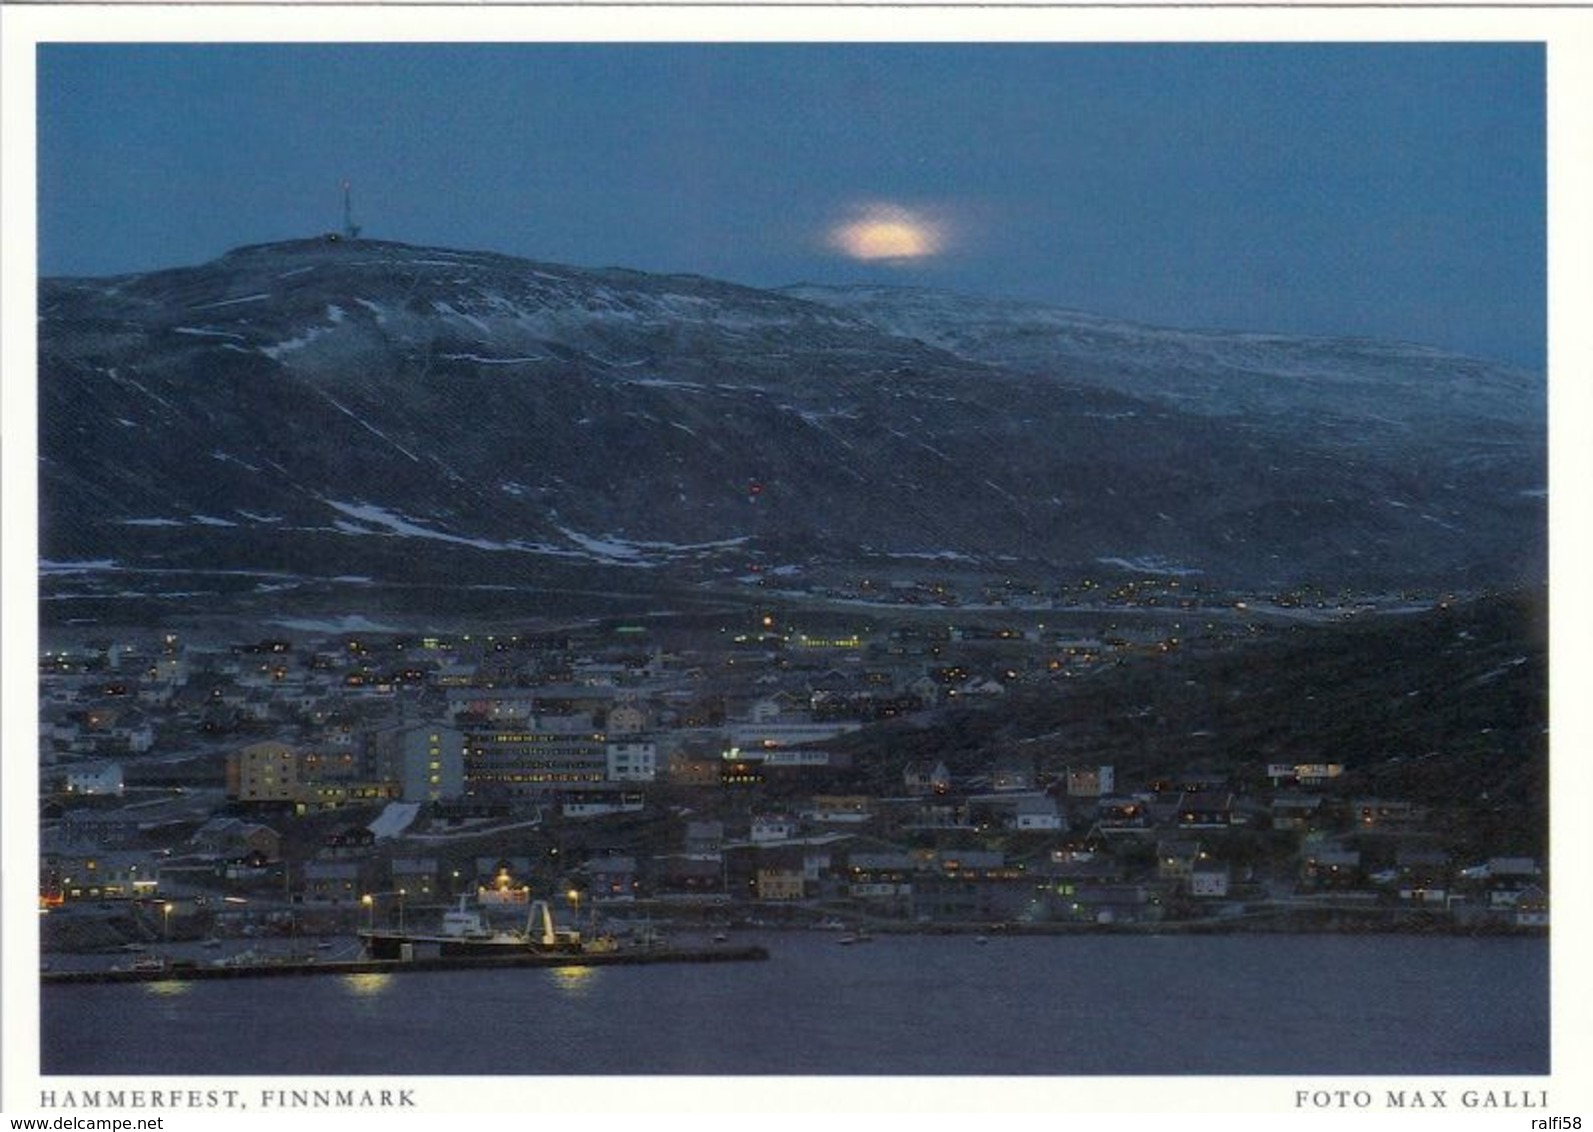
(1569, 34)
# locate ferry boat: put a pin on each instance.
(465, 932)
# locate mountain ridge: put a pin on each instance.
(279, 406)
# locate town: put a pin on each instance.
(775, 765)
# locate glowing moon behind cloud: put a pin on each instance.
(888, 232)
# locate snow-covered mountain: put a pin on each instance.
(1371, 390)
(402, 415)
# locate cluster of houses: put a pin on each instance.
(734, 747)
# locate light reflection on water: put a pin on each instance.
(576, 982)
(367, 984)
(166, 998)
(168, 988)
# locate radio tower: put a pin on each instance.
(351, 230)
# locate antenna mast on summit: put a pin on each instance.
(351, 230)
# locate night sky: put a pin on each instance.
(1390, 191)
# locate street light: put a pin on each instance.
(370, 911)
(165, 921)
(574, 896)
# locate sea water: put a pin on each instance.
(900, 1005)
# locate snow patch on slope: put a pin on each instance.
(398, 525)
(276, 352)
(394, 820)
(88, 566)
(1150, 564)
(354, 623)
(346, 411)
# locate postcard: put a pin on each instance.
(801, 559)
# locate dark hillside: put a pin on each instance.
(1447, 708)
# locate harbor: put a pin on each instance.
(188, 970)
(466, 938)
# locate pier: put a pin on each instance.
(186, 972)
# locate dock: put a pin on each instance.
(195, 972)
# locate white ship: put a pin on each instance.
(466, 932)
